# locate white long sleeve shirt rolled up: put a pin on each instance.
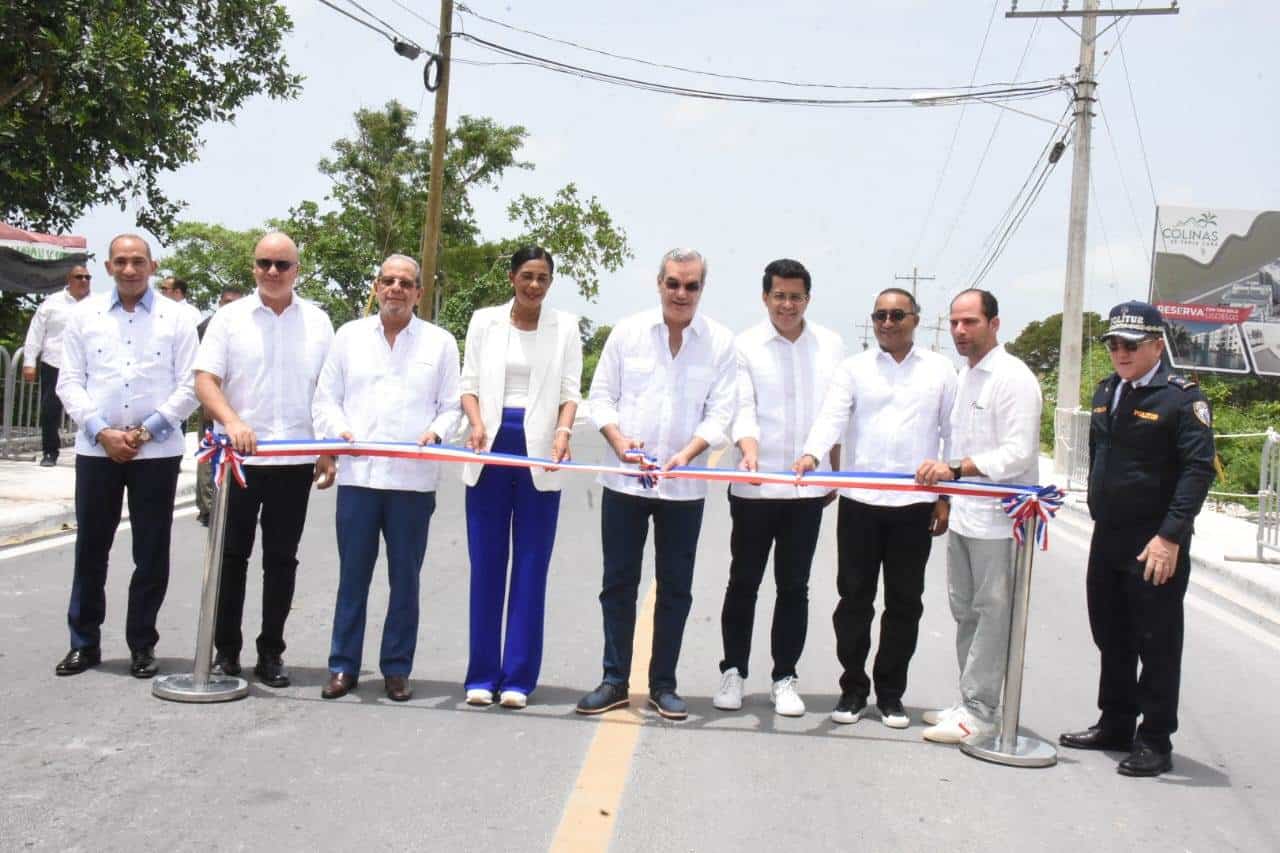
(268, 364)
(44, 335)
(780, 390)
(128, 368)
(888, 415)
(377, 392)
(665, 400)
(996, 423)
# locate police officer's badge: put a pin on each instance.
(1201, 408)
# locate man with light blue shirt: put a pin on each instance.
(664, 386)
(126, 380)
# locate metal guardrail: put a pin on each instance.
(20, 428)
(1269, 496)
(1071, 427)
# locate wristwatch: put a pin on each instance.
(143, 434)
(956, 469)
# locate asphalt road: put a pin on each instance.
(94, 762)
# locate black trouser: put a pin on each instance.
(100, 488)
(281, 493)
(867, 537)
(757, 525)
(1134, 621)
(50, 410)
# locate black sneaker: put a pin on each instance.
(49, 460)
(893, 715)
(606, 697)
(849, 709)
(669, 704)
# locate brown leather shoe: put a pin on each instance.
(340, 684)
(398, 689)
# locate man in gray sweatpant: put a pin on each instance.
(995, 436)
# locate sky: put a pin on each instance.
(859, 196)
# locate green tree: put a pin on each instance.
(99, 98)
(210, 258)
(1040, 342)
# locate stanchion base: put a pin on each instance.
(1027, 751)
(183, 688)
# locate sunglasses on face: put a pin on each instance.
(389, 280)
(266, 264)
(897, 315)
(83, 277)
(687, 287)
(1128, 346)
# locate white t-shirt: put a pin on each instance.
(520, 348)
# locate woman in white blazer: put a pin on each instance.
(521, 378)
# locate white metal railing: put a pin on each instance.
(1269, 495)
(1071, 430)
(20, 426)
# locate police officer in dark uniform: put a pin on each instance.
(1151, 462)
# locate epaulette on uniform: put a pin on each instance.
(1181, 382)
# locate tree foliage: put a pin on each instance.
(99, 98)
(1040, 343)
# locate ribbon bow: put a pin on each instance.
(1041, 504)
(218, 452)
(646, 463)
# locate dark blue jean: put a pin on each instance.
(506, 515)
(624, 528)
(401, 518)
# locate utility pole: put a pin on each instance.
(1069, 353)
(435, 186)
(914, 278)
(865, 326)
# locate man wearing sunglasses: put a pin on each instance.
(256, 374)
(889, 408)
(176, 289)
(995, 436)
(42, 356)
(664, 387)
(1151, 458)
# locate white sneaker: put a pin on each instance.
(512, 699)
(479, 696)
(729, 696)
(958, 727)
(786, 701)
(932, 718)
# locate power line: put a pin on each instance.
(1142, 146)
(462, 7)
(361, 21)
(383, 22)
(947, 98)
(417, 15)
(1133, 211)
(955, 135)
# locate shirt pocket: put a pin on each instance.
(698, 384)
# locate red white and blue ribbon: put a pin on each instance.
(1018, 501)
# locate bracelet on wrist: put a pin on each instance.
(565, 430)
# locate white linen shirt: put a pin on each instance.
(377, 392)
(192, 311)
(268, 364)
(44, 335)
(665, 400)
(124, 368)
(780, 387)
(996, 423)
(889, 415)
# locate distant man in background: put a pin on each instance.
(126, 381)
(204, 471)
(176, 289)
(42, 356)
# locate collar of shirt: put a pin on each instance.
(1146, 378)
(884, 355)
(147, 300)
(411, 329)
(698, 325)
(987, 363)
(258, 305)
(772, 334)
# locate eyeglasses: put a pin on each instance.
(897, 315)
(1129, 346)
(687, 287)
(781, 298)
(265, 264)
(82, 277)
(389, 280)
(166, 287)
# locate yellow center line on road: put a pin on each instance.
(592, 809)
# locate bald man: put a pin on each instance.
(256, 373)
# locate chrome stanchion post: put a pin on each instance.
(200, 685)
(1007, 746)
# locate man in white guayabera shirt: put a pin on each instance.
(891, 407)
(126, 382)
(784, 365)
(665, 386)
(42, 356)
(256, 373)
(391, 377)
(995, 436)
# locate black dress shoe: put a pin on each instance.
(78, 660)
(271, 672)
(1145, 761)
(669, 704)
(143, 663)
(606, 697)
(398, 689)
(203, 519)
(49, 460)
(340, 684)
(1096, 737)
(225, 664)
